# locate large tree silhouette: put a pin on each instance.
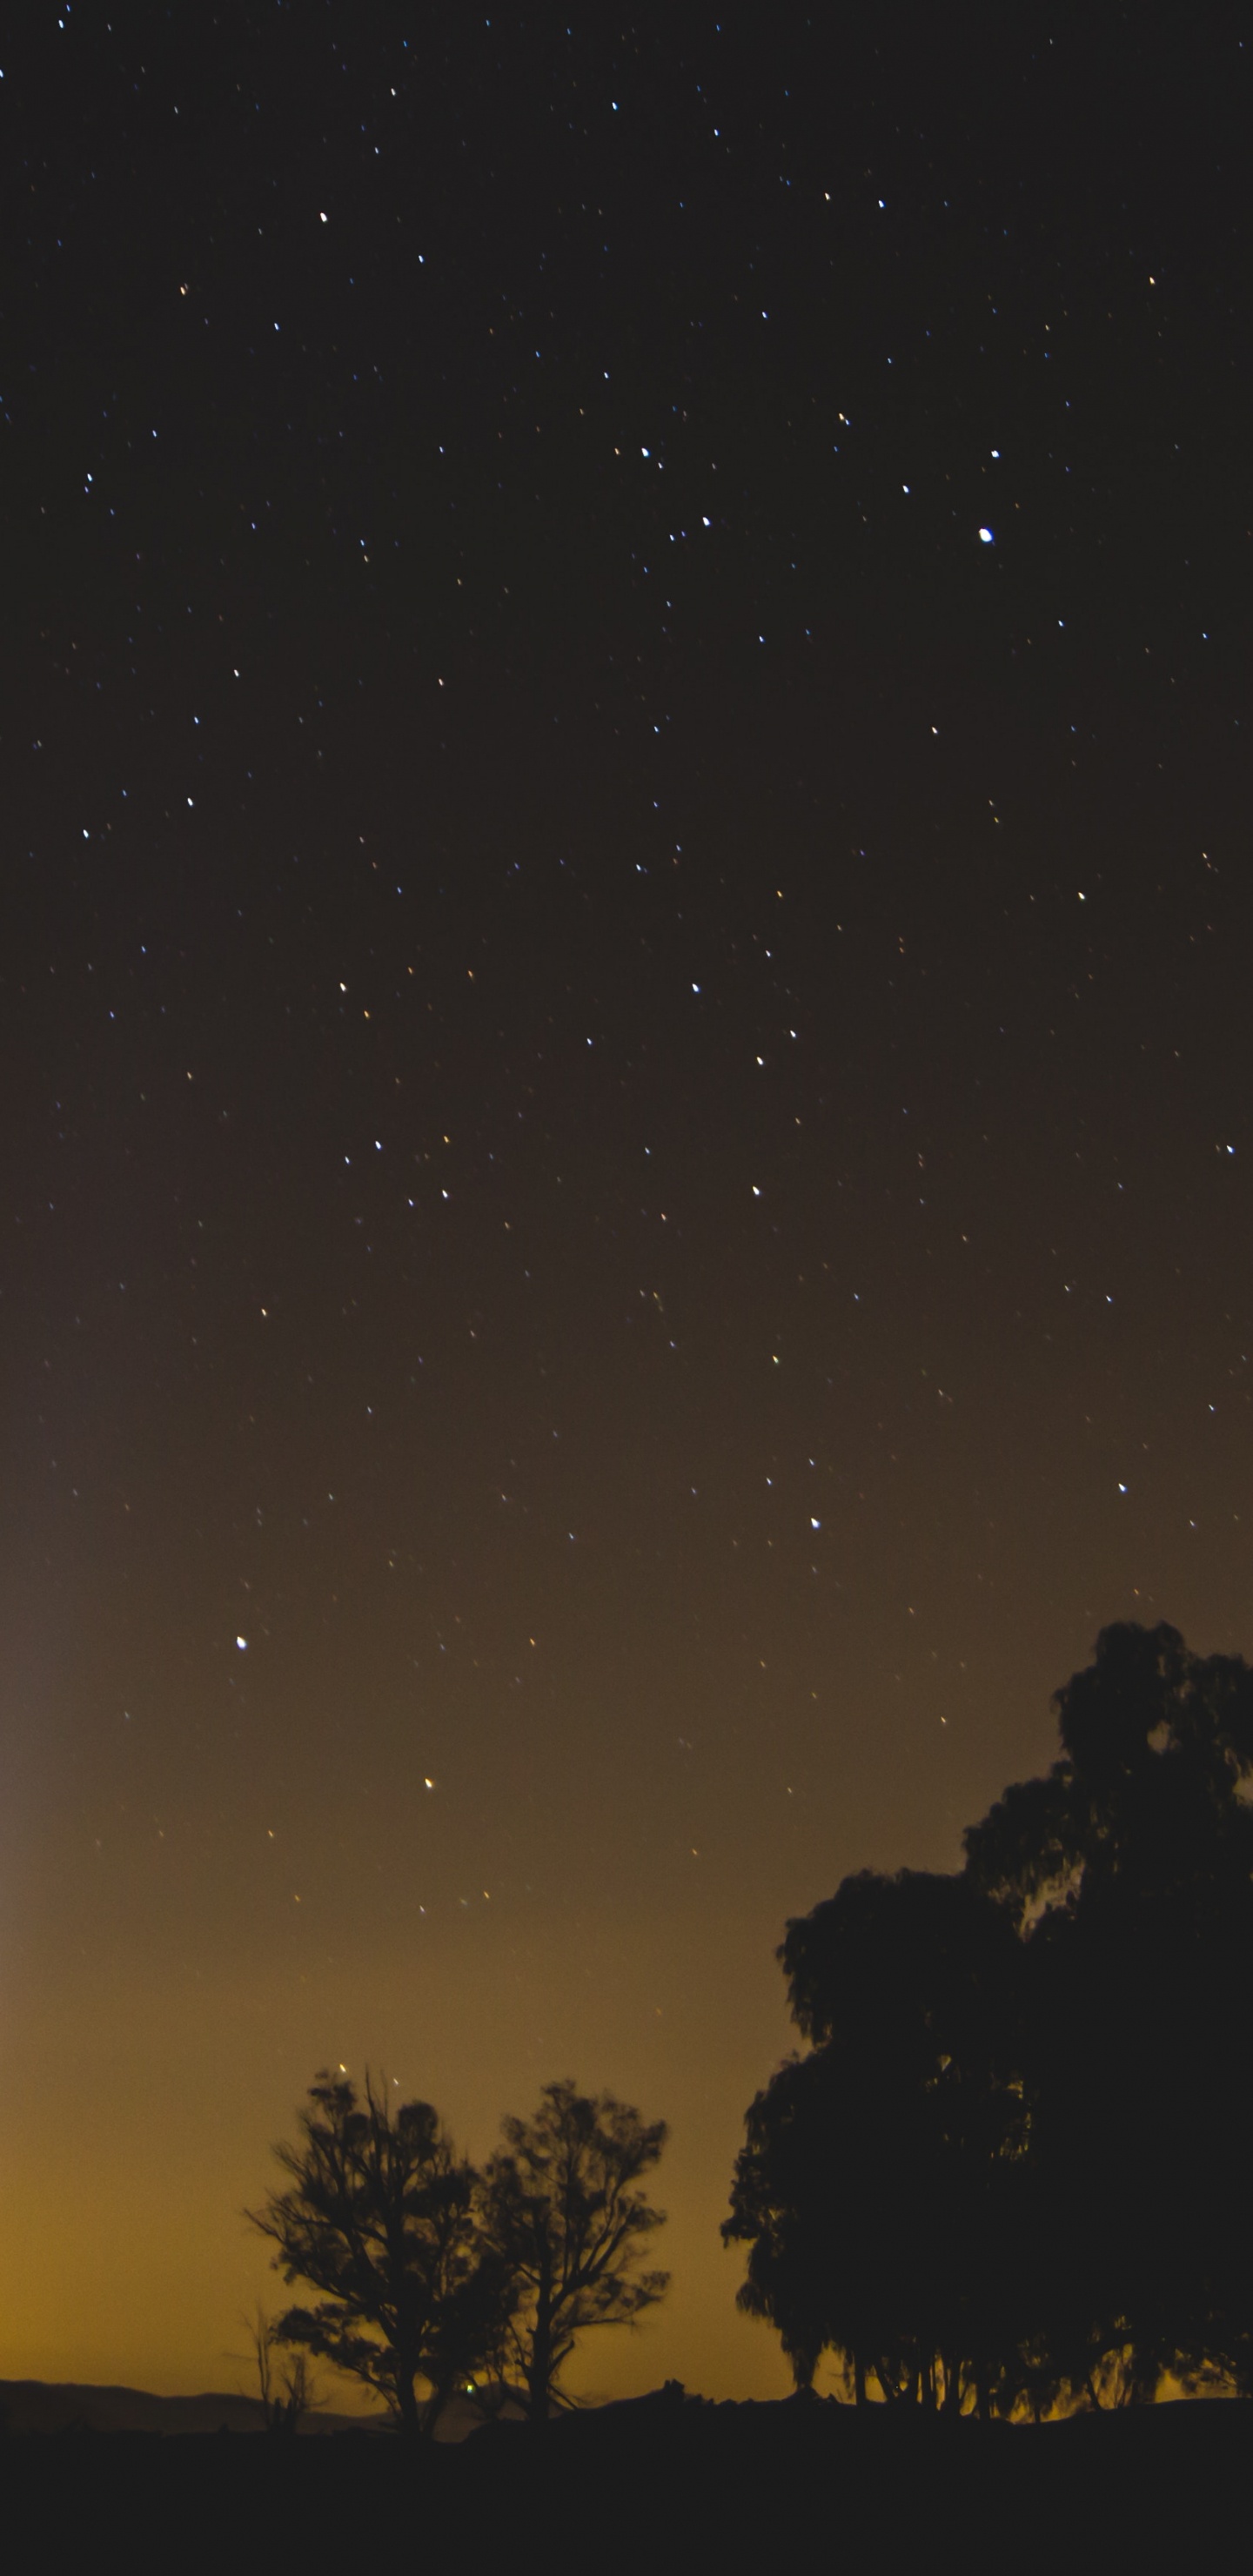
(563, 2214)
(1016, 2156)
(877, 2187)
(1128, 1870)
(379, 2216)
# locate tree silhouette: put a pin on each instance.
(879, 2188)
(1147, 1795)
(285, 2382)
(379, 2216)
(562, 2213)
(1016, 2157)
(1129, 1871)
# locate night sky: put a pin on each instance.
(624, 943)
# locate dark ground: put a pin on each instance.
(660, 2483)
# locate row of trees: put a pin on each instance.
(1012, 2168)
(433, 2276)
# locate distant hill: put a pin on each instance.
(59, 2405)
(54, 2406)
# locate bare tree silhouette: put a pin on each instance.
(285, 2381)
(379, 2216)
(562, 2211)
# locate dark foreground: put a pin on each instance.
(662, 2483)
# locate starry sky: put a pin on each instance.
(624, 936)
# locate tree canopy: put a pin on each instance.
(435, 2276)
(1128, 1871)
(379, 2215)
(878, 2171)
(1014, 2161)
(563, 2215)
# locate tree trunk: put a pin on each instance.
(539, 2364)
(539, 2367)
(410, 2411)
(859, 2380)
(429, 2415)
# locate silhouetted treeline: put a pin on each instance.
(434, 2277)
(1011, 2171)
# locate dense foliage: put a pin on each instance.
(1012, 2168)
